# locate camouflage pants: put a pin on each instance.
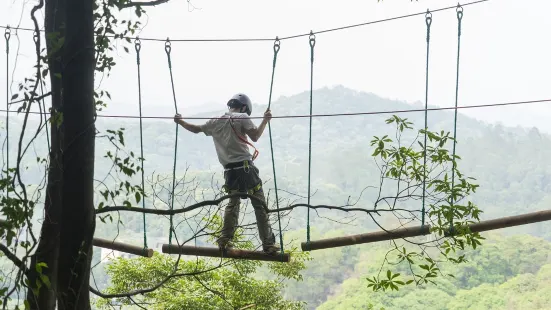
(246, 180)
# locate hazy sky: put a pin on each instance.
(505, 52)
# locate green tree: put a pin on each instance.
(500, 272)
(201, 283)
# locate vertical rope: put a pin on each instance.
(168, 49)
(312, 44)
(459, 12)
(138, 47)
(7, 35)
(276, 51)
(428, 21)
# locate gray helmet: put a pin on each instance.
(239, 101)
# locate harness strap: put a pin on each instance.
(255, 154)
(250, 191)
(245, 167)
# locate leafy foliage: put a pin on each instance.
(427, 169)
(203, 283)
(507, 272)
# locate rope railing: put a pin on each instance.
(489, 105)
(285, 37)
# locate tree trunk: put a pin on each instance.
(48, 246)
(78, 218)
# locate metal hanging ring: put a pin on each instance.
(459, 11)
(168, 46)
(276, 45)
(7, 33)
(138, 44)
(312, 39)
(428, 18)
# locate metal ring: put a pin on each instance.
(276, 45)
(312, 39)
(428, 18)
(168, 46)
(459, 11)
(7, 33)
(138, 44)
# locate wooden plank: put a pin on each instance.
(230, 253)
(365, 238)
(123, 247)
(510, 221)
(113, 245)
(494, 224)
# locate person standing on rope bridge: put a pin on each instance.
(241, 176)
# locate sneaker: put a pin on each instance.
(271, 249)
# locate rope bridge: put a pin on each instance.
(309, 245)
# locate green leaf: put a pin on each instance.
(45, 280)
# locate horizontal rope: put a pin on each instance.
(325, 115)
(287, 37)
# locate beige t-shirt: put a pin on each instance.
(229, 147)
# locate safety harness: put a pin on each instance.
(246, 168)
(255, 153)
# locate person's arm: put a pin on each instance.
(190, 127)
(256, 133)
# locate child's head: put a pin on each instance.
(240, 103)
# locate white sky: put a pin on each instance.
(505, 54)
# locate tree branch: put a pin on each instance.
(130, 4)
(153, 288)
(15, 260)
(33, 99)
(215, 202)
